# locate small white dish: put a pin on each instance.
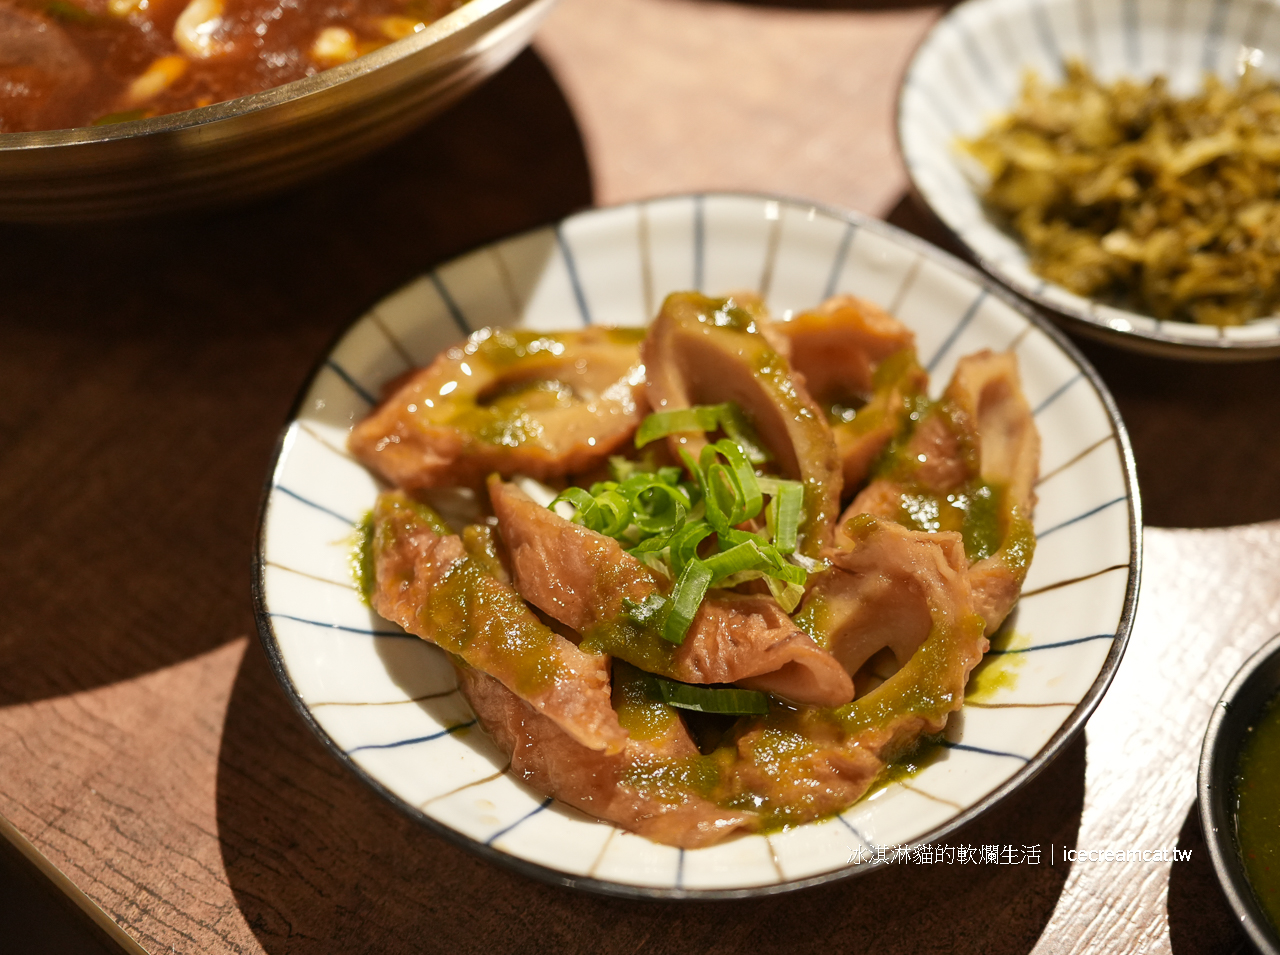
(969, 69)
(385, 703)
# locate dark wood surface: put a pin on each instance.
(145, 370)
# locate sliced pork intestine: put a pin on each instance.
(701, 351)
(607, 786)
(981, 431)
(848, 352)
(429, 584)
(562, 405)
(590, 584)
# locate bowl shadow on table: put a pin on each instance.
(146, 369)
(1186, 420)
(316, 858)
(1200, 920)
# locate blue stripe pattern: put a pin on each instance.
(837, 265)
(319, 507)
(1051, 646)
(351, 382)
(454, 312)
(571, 266)
(1057, 393)
(529, 815)
(363, 631)
(418, 739)
(699, 240)
(956, 332)
(860, 837)
(1041, 535)
(965, 747)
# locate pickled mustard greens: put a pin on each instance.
(1257, 790)
(1133, 196)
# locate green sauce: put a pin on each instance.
(470, 612)
(923, 754)
(631, 640)
(920, 687)
(1257, 792)
(360, 558)
(635, 699)
(488, 624)
(672, 780)
(504, 347)
(999, 671)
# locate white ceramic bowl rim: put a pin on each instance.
(1126, 328)
(1059, 740)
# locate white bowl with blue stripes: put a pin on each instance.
(968, 71)
(386, 704)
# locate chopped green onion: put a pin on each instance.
(786, 593)
(679, 420)
(786, 507)
(684, 544)
(656, 505)
(729, 701)
(744, 556)
(646, 611)
(685, 601)
(728, 417)
(606, 512)
(664, 521)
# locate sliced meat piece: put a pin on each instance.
(444, 589)
(970, 466)
(590, 584)
(802, 764)
(649, 788)
(511, 401)
(889, 588)
(987, 387)
(703, 350)
(859, 364)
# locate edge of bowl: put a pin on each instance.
(1070, 727)
(1257, 680)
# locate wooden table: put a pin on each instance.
(147, 752)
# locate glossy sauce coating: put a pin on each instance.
(69, 63)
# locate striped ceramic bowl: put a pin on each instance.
(969, 70)
(386, 704)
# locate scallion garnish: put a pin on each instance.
(726, 417)
(685, 600)
(729, 701)
(665, 521)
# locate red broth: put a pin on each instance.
(67, 63)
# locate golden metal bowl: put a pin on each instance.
(261, 143)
